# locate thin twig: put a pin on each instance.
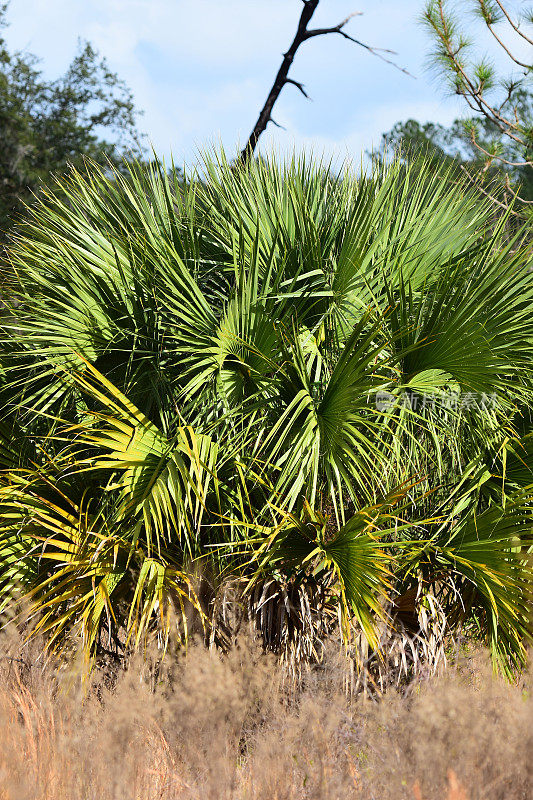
(514, 194)
(502, 44)
(376, 51)
(494, 156)
(299, 86)
(513, 25)
(491, 197)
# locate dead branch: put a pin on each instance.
(303, 34)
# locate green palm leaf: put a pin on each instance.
(162, 483)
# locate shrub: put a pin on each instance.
(274, 388)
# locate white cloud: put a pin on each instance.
(204, 31)
(366, 132)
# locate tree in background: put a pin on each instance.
(492, 148)
(445, 144)
(47, 125)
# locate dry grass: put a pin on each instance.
(211, 726)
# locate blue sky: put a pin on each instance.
(201, 69)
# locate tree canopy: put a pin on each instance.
(46, 125)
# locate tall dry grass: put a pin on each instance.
(212, 726)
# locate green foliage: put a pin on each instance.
(47, 125)
(199, 368)
(497, 138)
(445, 145)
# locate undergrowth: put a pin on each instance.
(207, 725)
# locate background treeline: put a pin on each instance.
(47, 125)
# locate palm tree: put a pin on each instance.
(308, 385)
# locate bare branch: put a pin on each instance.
(376, 51)
(507, 99)
(494, 156)
(502, 44)
(298, 85)
(282, 78)
(515, 195)
(504, 125)
(513, 25)
(483, 191)
(335, 29)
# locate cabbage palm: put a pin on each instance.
(200, 369)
